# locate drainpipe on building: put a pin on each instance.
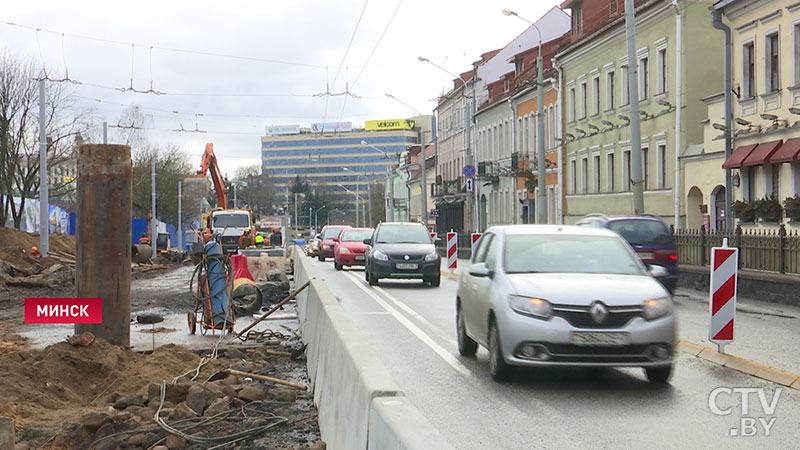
(716, 22)
(678, 105)
(559, 133)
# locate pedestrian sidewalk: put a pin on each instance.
(766, 333)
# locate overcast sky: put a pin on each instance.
(285, 54)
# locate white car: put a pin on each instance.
(549, 295)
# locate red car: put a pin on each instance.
(349, 247)
(326, 240)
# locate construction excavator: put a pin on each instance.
(225, 222)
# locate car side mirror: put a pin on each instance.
(368, 241)
(437, 241)
(480, 270)
(658, 271)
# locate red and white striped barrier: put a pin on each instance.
(434, 235)
(452, 250)
(723, 288)
(475, 237)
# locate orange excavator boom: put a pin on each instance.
(208, 164)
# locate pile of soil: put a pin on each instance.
(13, 241)
(62, 381)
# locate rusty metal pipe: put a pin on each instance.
(103, 259)
(141, 253)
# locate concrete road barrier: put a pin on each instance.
(347, 378)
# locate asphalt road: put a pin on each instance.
(412, 329)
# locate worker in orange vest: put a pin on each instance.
(144, 239)
(35, 252)
(246, 239)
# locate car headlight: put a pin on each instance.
(326, 246)
(657, 307)
(531, 306)
(431, 256)
(379, 255)
(344, 250)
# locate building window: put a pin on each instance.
(662, 71)
(577, 19)
(626, 170)
(610, 86)
(573, 185)
(584, 174)
(749, 183)
(625, 90)
(748, 70)
(773, 64)
(610, 172)
(797, 54)
(584, 101)
(612, 6)
(645, 168)
(596, 95)
(572, 104)
(644, 78)
(662, 165)
(596, 167)
(526, 136)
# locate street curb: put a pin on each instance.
(743, 365)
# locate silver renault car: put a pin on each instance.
(551, 295)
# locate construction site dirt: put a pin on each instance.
(100, 396)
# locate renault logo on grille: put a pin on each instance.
(405, 257)
(599, 312)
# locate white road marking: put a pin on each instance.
(412, 313)
(427, 340)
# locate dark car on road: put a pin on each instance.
(402, 250)
(648, 236)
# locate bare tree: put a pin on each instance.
(172, 166)
(19, 146)
(253, 190)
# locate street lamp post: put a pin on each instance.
(296, 220)
(316, 217)
(369, 192)
(471, 158)
(357, 199)
(541, 195)
(389, 181)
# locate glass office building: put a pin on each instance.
(327, 160)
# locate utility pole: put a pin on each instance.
(180, 216)
(541, 193)
(153, 229)
(44, 193)
(424, 169)
(637, 180)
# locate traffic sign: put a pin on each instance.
(469, 185)
(434, 213)
(469, 171)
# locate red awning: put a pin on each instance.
(738, 155)
(789, 151)
(762, 153)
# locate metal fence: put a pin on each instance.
(759, 249)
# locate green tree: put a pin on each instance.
(253, 190)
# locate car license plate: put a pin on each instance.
(600, 338)
(406, 266)
(646, 256)
(360, 258)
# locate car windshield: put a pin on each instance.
(568, 253)
(403, 234)
(642, 232)
(331, 233)
(231, 221)
(356, 235)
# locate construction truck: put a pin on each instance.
(226, 223)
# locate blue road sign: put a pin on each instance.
(469, 171)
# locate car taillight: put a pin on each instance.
(666, 255)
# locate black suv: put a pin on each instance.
(402, 250)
